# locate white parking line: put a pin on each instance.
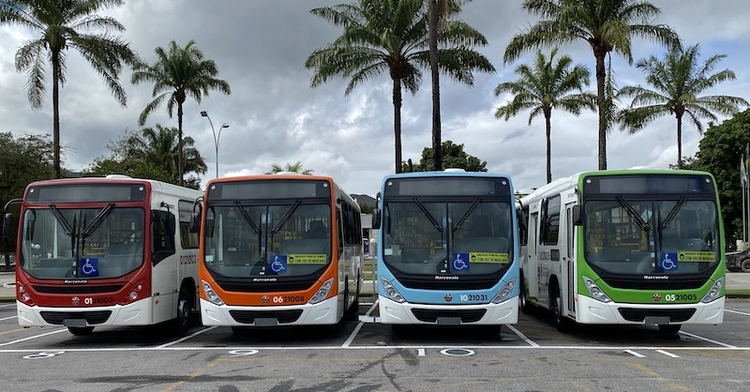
(358, 327)
(33, 337)
(522, 336)
(707, 340)
(7, 305)
(737, 312)
(8, 318)
(165, 345)
(635, 354)
(667, 353)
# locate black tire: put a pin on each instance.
(745, 266)
(669, 328)
(523, 300)
(352, 311)
(81, 331)
(184, 311)
(561, 322)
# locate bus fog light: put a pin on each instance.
(714, 293)
(25, 297)
(505, 292)
(322, 292)
(595, 291)
(211, 295)
(133, 295)
(391, 291)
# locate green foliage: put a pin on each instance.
(294, 168)
(393, 36)
(65, 24)
(454, 157)
(720, 153)
(152, 155)
(365, 209)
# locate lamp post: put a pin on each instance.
(217, 137)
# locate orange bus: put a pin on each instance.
(278, 250)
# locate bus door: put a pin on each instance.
(569, 260)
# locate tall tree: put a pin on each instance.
(66, 24)
(607, 25)
(392, 36)
(178, 73)
(545, 86)
(454, 157)
(293, 168)
(678, 80)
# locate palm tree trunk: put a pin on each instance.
(437, 153)
(55, 55)
(179, 143)
(601, 102)
(679, 141)
(548, 130)
(397, 121)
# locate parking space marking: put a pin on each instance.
(8, 318)
(707, 339)
(33, 337)
(522, 336)
(358, 327)
(736, 312)
(187, 337)
(635, 354)
(667, 353)
(7, 305)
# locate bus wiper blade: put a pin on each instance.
(247, 217)
(285, 217)
(467, 213)
(673, 212)
(633, 213)
(61, 219)
(428, 215)
(98, 219)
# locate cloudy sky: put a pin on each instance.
(274, 116)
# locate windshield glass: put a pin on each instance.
(428, 238)
(631, 236)
(260, 240)
(88, 243)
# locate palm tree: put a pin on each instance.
(544, 87)
(607, 25)
(391, 36)
(677, 80)
(176, 74)
(159, 148)
(66, 24)
(293, 168)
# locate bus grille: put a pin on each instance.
(94, 317)
(249, 316)
(431, 315)
(78, 289)
(639, 315)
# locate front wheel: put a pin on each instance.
(561, 322)
(745, 265)
(81, 331)
(184, 309)
(523, 301)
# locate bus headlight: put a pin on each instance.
(713, 294)
(211, 295)
(505, 292)
(595, 291)
(391, 291)
(322, 292)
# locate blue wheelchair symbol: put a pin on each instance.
(279, 264)
(668, 261)
(460, 261)
(89, 267)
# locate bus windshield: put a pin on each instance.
(252, 240)
(82, 243)
(469, 237)
(638, 236)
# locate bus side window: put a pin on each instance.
(162, 236)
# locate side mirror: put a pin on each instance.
(7, 225)
(577, 215)
(170, 225)
(376, 219)
(521, 217)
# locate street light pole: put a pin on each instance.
(217, 138)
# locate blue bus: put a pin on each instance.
(447, 250)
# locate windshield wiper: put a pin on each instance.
(285, 217)
(428, 215)
(633, 214)
(61, 219)
(673, 212)
(98, 219)
(467, 213)
(247, 217)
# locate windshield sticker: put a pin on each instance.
(308, 258)
(668, 261)
(460, 261)
(486, 257)
(278, 264)
(693, 256)
(89, 267)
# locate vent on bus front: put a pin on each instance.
(93, 317)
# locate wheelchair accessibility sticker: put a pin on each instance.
(306, 258)
(486, 257)
(460, 261)
(278, 264)
(668, 261)
(89, 267)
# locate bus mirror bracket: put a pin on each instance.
(376, 218)
(577, 215)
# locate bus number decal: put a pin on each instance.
(280, 299)
(485, 257)
(680, 297)
(190, 259)
(473, 297)
(103, 300)
(306, 258)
